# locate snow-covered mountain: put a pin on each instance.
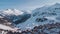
(15, 15)
(12, 12)
(9, 18)
(41, 16)
(28, 20)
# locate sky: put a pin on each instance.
(25, 4)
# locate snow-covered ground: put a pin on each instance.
(4, 27)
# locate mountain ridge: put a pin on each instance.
(43, 15)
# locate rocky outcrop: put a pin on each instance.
(44, 29)
(41, 29)
(41, 19)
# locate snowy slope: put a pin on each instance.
(10, 17)
(41, 16)
(4, 27)
(15, 15)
